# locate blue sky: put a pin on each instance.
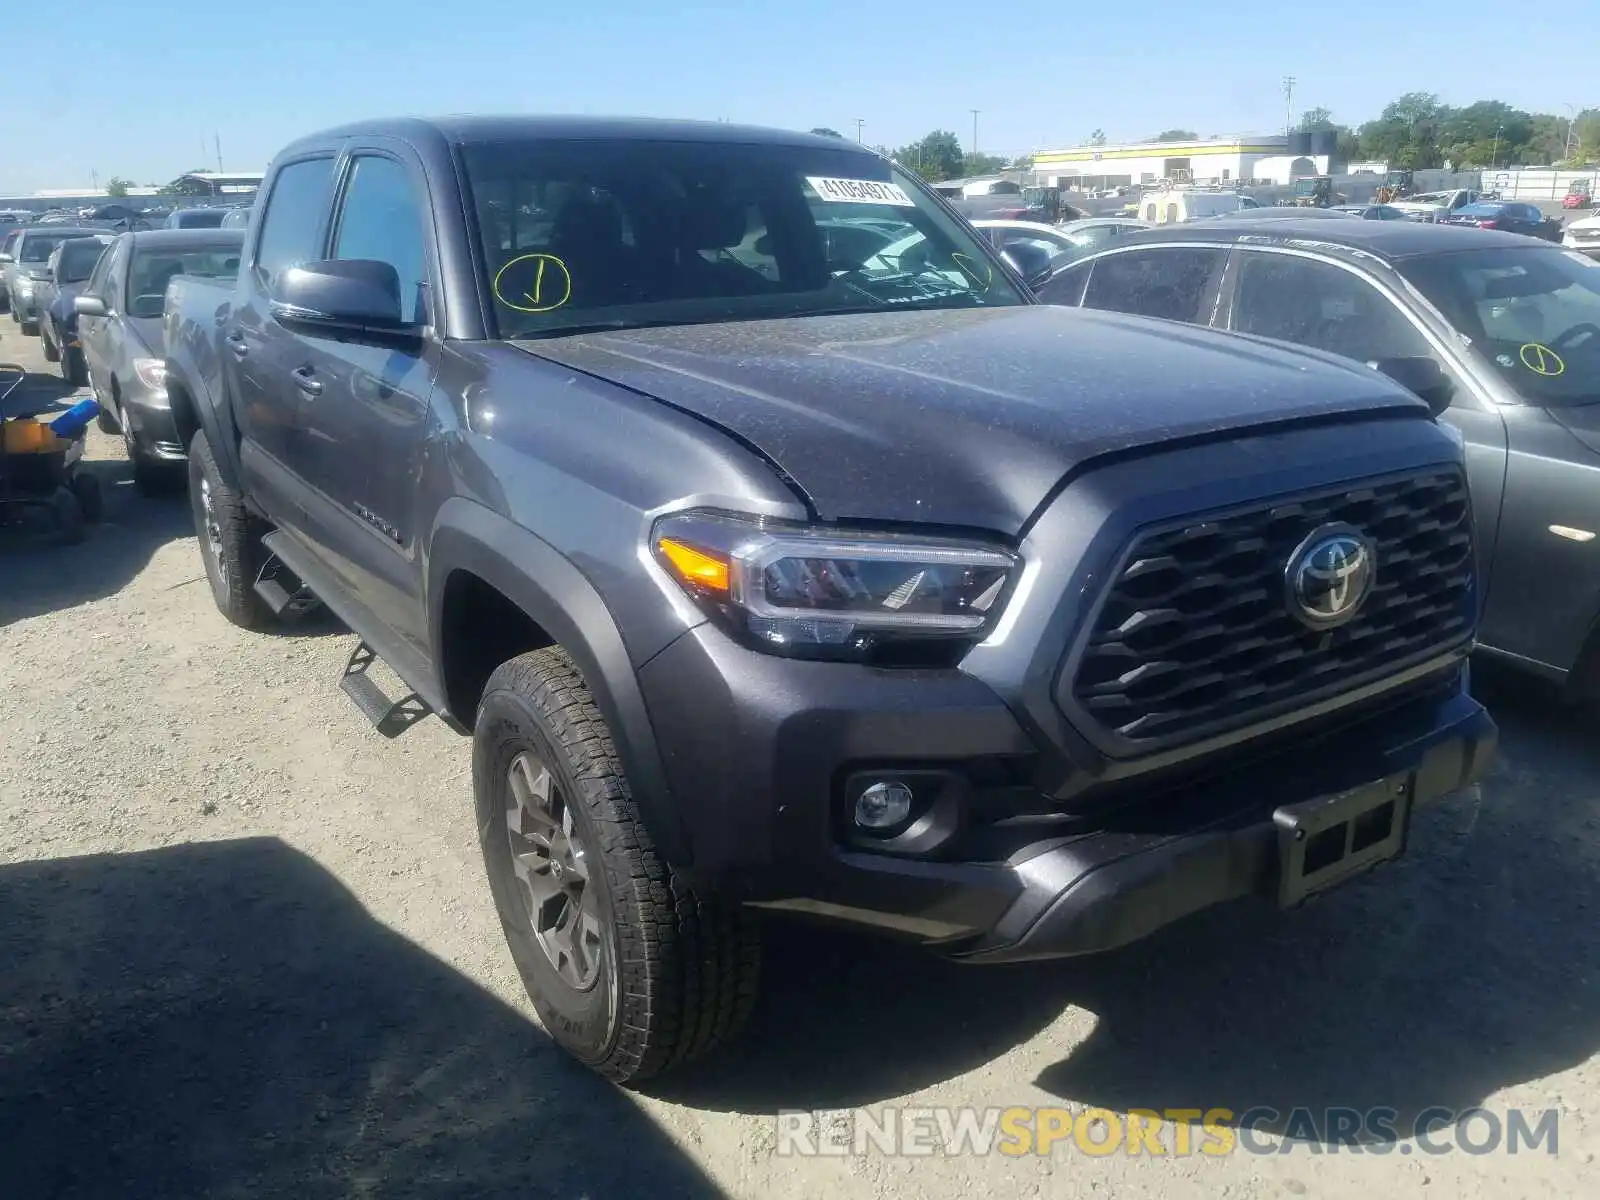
(137, 89)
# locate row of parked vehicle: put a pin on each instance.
(95, 298)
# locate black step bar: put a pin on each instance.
(389, 717)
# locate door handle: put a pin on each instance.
(236, 344)
(305, 379)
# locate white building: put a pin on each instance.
(1238, 159)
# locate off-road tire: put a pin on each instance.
(679, 970)
(48, 346)
(241, 553)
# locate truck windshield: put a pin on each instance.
(78, 259)
(615, 234)
(1532, 315)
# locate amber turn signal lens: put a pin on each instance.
(695, 567)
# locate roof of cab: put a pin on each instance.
(458, 129)
(186, 239)
(1391, 240)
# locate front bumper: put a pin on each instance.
(764, 757)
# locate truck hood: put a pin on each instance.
(966, 417)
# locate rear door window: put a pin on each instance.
(291, 231)
(1174, 283)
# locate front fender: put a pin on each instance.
(546, 586)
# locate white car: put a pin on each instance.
(1583, 236)
(1430, 206)
(1063, 242)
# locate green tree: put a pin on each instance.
(1097, 138)
(1176, 135)
(117, 187)
(824, 131)
(936, 156)
(1314, 120)
(982, 164)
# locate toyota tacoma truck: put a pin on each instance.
(871, 591)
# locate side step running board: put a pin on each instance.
(282, 592)
(389, 717)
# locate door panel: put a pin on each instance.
(260, 354)
(1546, 590)
(363, 435)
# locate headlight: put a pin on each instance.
(820, 593)
(152, 372)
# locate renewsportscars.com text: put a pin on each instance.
(1176, 1132)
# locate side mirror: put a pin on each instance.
(40, 276)
(89, 306)
(340, 295)
(1032, 262)
(1422, 376)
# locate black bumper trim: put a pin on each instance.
(1105, 890)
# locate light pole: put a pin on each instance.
(859, 124)
(974, 113)
(1288, 105)
(1567, 148)
(1494, 155)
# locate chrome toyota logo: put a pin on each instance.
(1329, 575)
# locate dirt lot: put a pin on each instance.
(246, 950)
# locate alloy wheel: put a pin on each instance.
(552, 867)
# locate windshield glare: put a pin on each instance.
(1533, 315)
(643, 233)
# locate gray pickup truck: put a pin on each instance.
(875, 592)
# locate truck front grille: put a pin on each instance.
(1196, 635)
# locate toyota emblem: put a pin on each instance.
(1330, 575)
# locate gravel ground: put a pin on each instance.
(247, 951)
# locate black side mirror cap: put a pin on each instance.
(349, 295)
(1032, 262)
(1423, 377)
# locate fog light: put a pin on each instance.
(883, 806)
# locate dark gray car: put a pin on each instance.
(67, 273)
(119, 326)
(26, 251)
(1513, 323)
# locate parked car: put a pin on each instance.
(1064, 242)
(1508, 325)
(885, 596)
(195, 218)
(119, 327)
(71, 263)
(1373, 212)
(1431, 206)
(1579, 195)
(26, 251)
(235, 218)
(1509, 216)
(1583, 236)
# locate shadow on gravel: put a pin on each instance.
(1468, 966)
(41, 575)
(224, 1019)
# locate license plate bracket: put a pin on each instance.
(1327, 841)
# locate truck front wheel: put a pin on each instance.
(630, 970)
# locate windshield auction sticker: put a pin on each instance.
(543, 281)
(858, 191)
(1541, 360)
